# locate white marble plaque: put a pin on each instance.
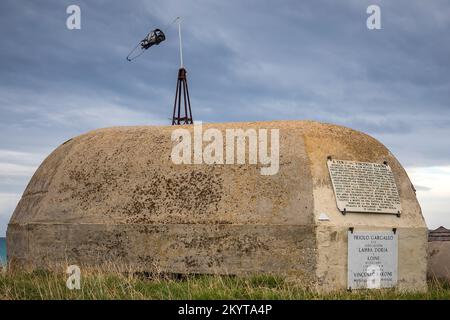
(364, 187)
(372, 259)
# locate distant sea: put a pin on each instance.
(2, 250)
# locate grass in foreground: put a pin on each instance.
(47, 285)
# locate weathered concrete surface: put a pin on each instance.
(115, 195)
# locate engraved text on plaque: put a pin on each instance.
(364, 187)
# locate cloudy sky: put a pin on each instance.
(247, 60)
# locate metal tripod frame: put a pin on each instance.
(182, 92)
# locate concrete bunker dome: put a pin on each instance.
(115, 195)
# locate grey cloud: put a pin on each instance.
(422, 188)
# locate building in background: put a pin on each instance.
(439, 253)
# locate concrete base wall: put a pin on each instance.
(332, 257)
(208, 249)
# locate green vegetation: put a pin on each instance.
(48, 285)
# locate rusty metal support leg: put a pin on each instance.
(177, 118)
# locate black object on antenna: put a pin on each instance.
(154, 37)
(182, 91)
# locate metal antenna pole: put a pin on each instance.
(181, 45)
(181, 92)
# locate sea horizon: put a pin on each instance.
(2, 250)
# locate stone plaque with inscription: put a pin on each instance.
(364, 187)
(372, 259)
